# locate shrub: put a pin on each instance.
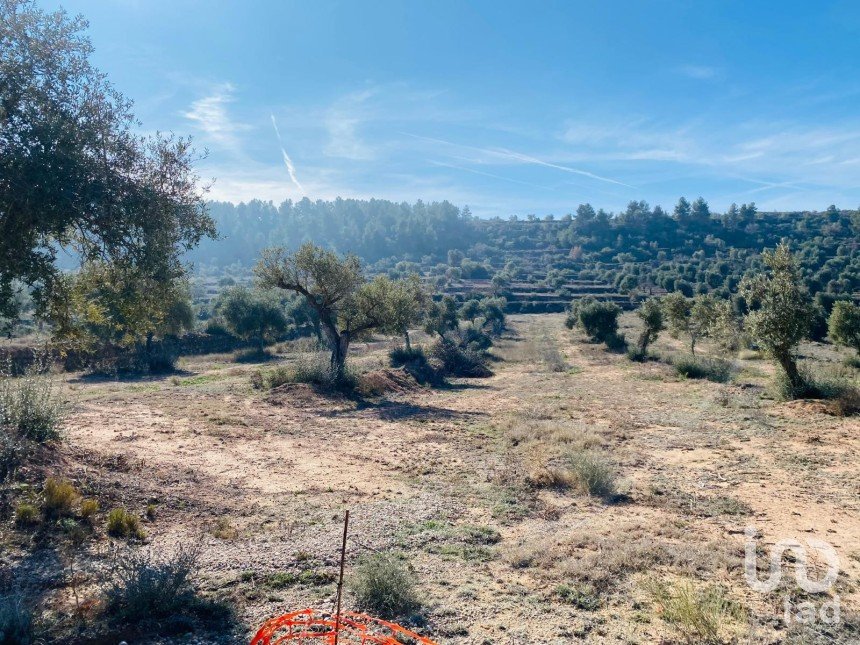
(458, 361)
(476, 339)
(16, 621)
(415, 362)
(592, 474)
(160, 358)
(30, 405)
(13, 450)
(59, 497)
(712, 369)
(144, 588)
(121, 523)
(314, 369)
(599, 320)
(383, 586)
(651, 315)
(834, 385)
(697, 614)
(26, 514)
(89, 507)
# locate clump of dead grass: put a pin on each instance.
(699, 613)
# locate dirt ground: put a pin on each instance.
(261, 481)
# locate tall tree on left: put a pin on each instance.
(75, 176)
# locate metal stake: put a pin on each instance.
(340, 579)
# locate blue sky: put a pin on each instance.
(509, 107)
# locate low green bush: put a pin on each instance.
(59, 497)
(458, 361)
(313, 368)
(697, 367)
(121, 523)
(31, 405)
(384, 587)
(416, 363)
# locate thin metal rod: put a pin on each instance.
(340, 579)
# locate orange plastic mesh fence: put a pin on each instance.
(304, 627)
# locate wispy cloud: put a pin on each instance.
(342, 121)
(209, 114)
(488, 174)
(520, 157)
(291, 169)
(699, 72)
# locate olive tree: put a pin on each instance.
(781, 310)
(252, 315)
(407, 305)
(692, 317)
(843, 326)
(651, 315)
(348, 305)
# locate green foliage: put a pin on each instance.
(59, 497)
(459, 361)
(383, 586)
(651, 315)
(781, 310)
(348, 306)
(251, 314)
(693, 317)
(122, 523)
(26, 514)
(128, 201)
(843, 326)
(471, 309)
(711, 369)
(31, 405)
(442, 317)
(698, 614)
(592, 474)
(599, 320)
(311, 368)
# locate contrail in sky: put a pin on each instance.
(291, 169)
(511, 154)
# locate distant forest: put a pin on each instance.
(690, 249)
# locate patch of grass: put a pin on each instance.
(224, 529)
(750, 355)
(26, 514)
(200, 379)
(584, 470)
(59, 497)
(580, 596)
(31, 405)
(89, 508)
(383, 586)
(699, 614)
(121, 523)
(836, 385)
(697, 367)
(313, 369)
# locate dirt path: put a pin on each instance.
(262, 481)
